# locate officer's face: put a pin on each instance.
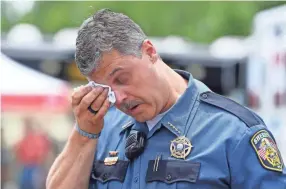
(136, 82)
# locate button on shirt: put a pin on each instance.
(228, 150)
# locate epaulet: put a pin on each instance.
(245, 115)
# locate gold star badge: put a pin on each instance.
(180, 147)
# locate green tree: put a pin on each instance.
(199, 21)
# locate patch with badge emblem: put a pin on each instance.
(267, 151)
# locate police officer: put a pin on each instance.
(166, 130)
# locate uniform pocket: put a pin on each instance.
(107, 175)
(172, 172)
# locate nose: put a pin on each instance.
(120, 97)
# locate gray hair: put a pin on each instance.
(103, 32)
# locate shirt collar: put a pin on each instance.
(177, 117)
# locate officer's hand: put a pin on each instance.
(82, 98)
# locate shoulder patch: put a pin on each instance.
(267, 151)
(231, 106)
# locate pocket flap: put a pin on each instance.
(104, 173)
(170, 171)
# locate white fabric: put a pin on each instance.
(111, 94)
(17, 79)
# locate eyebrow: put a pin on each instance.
(114, 71)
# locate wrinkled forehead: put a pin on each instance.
(109, 62)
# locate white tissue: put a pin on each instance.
(110, 95)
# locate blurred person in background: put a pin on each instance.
(31, 152)
(5, 160)
(168, 130)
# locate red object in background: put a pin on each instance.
(24, 89)
(279, 99)
(253, 100)
(33, 149)
(36, 103)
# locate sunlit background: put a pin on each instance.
(238, 49)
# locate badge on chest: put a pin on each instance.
(180, 147)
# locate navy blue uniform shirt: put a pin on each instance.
(205, 141)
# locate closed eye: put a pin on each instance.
(122, 79)
(119, 82)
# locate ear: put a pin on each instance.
(149, 50)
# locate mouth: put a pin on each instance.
(133, 109)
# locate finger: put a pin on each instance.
(76, 89)
(104, 108)
(90, 97)
(96, 105)
(79, 93)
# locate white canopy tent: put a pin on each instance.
(25, 89)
